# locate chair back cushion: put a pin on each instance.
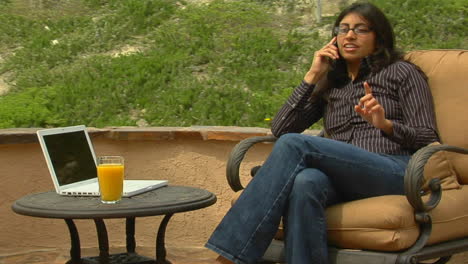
(447, 71)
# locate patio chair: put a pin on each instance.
(429, 222)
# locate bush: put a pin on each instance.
(430, 24)
(222, 63)
(214, 64)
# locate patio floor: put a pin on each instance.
(175, 255)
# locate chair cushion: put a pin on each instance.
(459, 163)
(446, 70)
(379, 223)
(386, 223)
(440, 166)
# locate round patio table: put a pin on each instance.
(163, 201)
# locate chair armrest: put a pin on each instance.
(236, 157)
(414, 181)
(414, 178)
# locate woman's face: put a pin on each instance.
(358, 44)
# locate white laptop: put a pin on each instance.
(71, 160)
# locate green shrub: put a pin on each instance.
(214, 65)
(222, 63)
(429, 24)
(27, 109)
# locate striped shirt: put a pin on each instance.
(400, 88)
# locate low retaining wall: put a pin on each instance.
(192, 156)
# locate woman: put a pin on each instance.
(377, 111)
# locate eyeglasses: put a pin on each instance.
(358, 30)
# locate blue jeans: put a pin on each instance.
(301, 177)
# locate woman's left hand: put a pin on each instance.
(373, 112)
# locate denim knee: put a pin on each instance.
(310, 183)
(292, 141)
(288, 139)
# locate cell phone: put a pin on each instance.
(333, 61)
(336, 45)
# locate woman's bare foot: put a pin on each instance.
(223, 260)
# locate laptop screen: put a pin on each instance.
(71, 157)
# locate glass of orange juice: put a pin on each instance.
(110, 171)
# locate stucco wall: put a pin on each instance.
(184, 156)
(194, 156)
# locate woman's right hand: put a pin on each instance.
(321, 62)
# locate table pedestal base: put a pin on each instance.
(123, 258)
(131, 257)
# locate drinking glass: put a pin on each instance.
(110, 171)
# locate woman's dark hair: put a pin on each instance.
(385, 53)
